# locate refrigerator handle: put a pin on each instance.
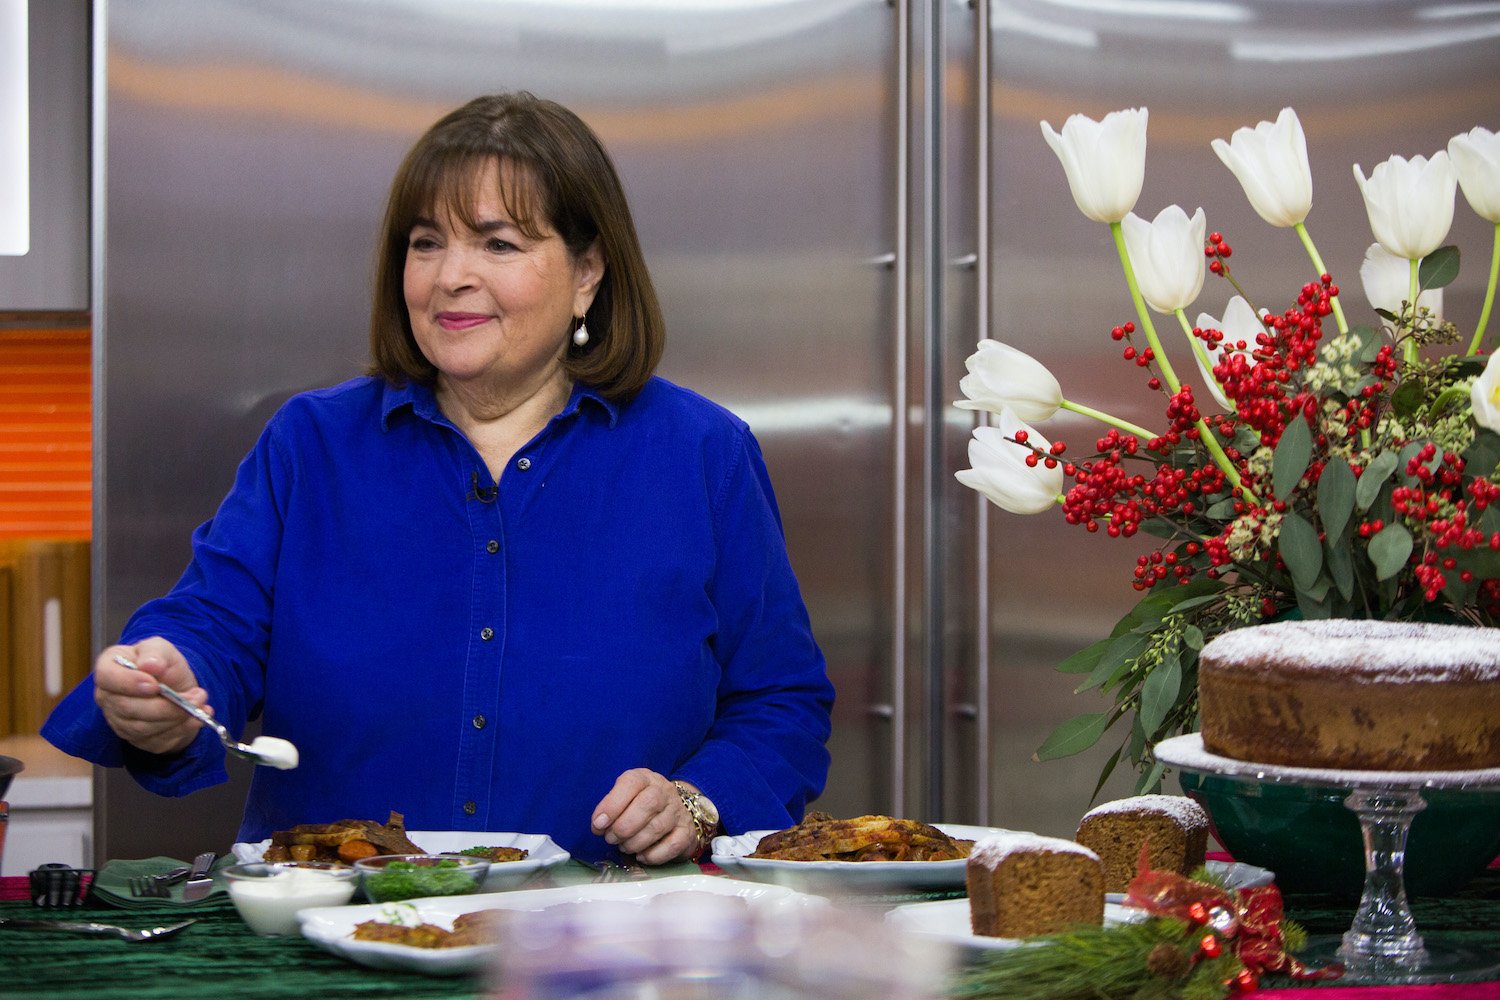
(896, 711)
(983, 298)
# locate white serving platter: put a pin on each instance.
(855, 876)
(542, 852)
(330, 927)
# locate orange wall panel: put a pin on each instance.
(46, 434)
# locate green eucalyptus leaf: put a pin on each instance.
(1373, 478)
(1085, 659)
(1121, 650)
(1192, 637)
(1335, 496)
(1341, 568)
(1389, 550)
(1194, 602)
(1293, 452)
(1312, 606)
(1438, 269)
(1221, 510)
(1483, 454)
(1409, 399)
(1300, 550)
(1108, 769)
(1073, 736)
(1160, 691)
(1370, 341)
(1150, 782)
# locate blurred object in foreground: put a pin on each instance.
(689, 945)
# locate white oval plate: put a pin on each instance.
(542, 852)
(329, 927)
(729, 854)
(948, 920)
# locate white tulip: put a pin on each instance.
(1410, 203)
(1000, 471)
(1387, 281)
(1270, 161)
(1476, 157)
(1105, 161)
(1239, 325)
(1484, 397)
(1167, 256)
(1001, 376)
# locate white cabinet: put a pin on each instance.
(51, 808)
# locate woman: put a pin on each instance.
(509, 580)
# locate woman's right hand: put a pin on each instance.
(130, 702)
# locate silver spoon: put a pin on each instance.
(87, 927)
(266, 750)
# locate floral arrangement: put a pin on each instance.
(1198, 941)
(1310, 467)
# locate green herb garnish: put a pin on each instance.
(407, 880)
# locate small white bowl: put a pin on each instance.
(269, 896)
(392, 877)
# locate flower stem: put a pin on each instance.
(1102, 417)
(1312, 251)
(1489, 293)
(1201, 353)
(1167, 374)
(1409, 349)
(1209, 441)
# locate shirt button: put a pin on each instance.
(480, 722)
(470, 808)
(486, 633)
(523, 464)
(492, 546)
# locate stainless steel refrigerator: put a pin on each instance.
(837, 199)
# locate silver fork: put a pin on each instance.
(618, 871)
(147, 887)
(157, 886)
(132, 934)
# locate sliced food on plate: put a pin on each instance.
(821, 837)
(351, 840)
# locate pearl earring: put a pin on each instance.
(581, 335)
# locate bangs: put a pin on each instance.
(449, 188)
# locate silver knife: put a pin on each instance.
(199, 882)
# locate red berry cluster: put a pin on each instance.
(1438, 512)
(1176, 482)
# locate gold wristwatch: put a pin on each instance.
(701, 811)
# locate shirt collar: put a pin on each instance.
(423, 402)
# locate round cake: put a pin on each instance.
(1353, 695)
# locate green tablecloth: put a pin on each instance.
(219, 958)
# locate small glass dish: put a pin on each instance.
(391, 877)
(269, 895)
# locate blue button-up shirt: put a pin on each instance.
(491, 656)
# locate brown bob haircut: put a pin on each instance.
(555, 171)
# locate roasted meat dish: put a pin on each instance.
(821, 837)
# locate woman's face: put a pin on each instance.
(493, 307)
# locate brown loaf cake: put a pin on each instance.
(1022, 884)
(1174, 827)
(1353, 695)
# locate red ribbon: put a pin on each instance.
(1255, 930)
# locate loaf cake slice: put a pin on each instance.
(1173, 827)
(1022, 884)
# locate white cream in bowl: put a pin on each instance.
(269, 896)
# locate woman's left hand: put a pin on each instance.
(643, 815)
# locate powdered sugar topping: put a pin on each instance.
(1369, 650)
(1183, 811)
(992, 850)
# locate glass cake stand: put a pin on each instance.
(1382, 945)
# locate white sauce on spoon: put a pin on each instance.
(276, 752)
